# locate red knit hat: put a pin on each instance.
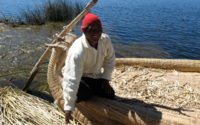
(89, 18)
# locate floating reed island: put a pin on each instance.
(157, 91)
(148, 91)
(166, 94)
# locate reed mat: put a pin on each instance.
(166, 90)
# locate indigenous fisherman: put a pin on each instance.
(83, 74)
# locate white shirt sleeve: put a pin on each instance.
(71, 80)
(109, 61)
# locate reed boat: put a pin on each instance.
(148, 91)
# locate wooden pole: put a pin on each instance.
(67, 29)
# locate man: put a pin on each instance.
(83, 76)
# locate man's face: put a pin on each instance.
(93, 32)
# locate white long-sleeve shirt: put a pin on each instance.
(85, 61)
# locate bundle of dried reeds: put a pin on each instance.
(20, 108)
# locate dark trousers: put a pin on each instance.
(89, 87)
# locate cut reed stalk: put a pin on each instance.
(11, 73)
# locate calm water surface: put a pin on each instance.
(138, 28)
(169, 26)
(157, 28)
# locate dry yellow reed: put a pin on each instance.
(20, 108)
(151, 86)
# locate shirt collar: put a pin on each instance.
(86, 43)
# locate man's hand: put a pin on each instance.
(67, 116)
(106, 86)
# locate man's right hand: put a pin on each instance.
(68, 116)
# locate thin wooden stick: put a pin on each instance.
(67, 29)
(6, 82)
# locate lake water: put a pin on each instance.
(171, 26)
(138, 28)
(149, 28)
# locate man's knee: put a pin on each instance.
(84, 93)
(84, 97)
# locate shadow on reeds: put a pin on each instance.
(149, 106)
(122, 111)
(41, 92)
(118, 112)
(41, 95)
(49, 11)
